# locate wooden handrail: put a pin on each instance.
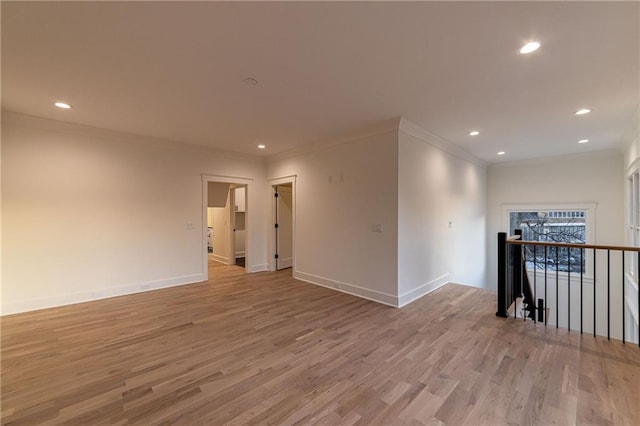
(571, 245)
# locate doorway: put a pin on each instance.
(225, 222)
(283, 214)
(237, 193)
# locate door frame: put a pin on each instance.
(248, 183)
(271, 240)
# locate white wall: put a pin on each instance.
(88, 213)
(631, 165)
(341, 192)
(441, 217)
(584, 178)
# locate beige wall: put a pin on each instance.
(441, 219)
(584, 178)
(88, 214)
(631, 165)
(341, 192)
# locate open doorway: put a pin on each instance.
(238, 193)
(283, 214)
(225, 222)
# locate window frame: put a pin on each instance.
(590, 226)
(633, 217)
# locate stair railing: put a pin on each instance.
(516, 282)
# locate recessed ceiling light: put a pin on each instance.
(474, 133)
(583, 111)
(583, 141)
(532, 46)
(501, 153)
(249, 81)
(261, 146)
(62, 105)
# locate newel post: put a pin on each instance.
(502, 275)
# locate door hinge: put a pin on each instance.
(276, 225)
(276, 256)
(276, 195)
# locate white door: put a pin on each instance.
(239, 226)
(284, 226)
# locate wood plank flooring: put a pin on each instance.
(267, 349)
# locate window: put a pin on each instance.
(554, 223)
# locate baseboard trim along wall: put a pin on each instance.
(352, 289)
(426, 288)
(257, 268)
(221, 259)
(97, 294)
(285, 262)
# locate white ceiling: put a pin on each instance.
(173, 70)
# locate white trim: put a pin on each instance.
(98, 294)
(352, 289)
(285, 262)
(424, 289)
(436, 141)
(227, 179)
(248, 183)
(633, 168)
(258, 268)
(271, 244)
(282, 180)
(221, 259)
(555, 158)
(379, 128)
(632, 299)
(590, 221)
(56, 126)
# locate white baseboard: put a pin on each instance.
(426, 288)
(286, 262)
(97, 294)
(221, 259)
(257, 268)
(239, 254)
(354, 290)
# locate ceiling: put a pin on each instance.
(174, 70)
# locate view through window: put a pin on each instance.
(560, 226)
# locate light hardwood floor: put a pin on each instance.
(267, 349)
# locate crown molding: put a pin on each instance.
(378, 128)
(611, 152)
(436, 141)
(16, 118)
